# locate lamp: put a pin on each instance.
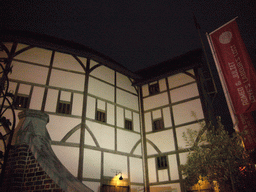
(121, 178)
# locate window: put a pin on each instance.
(158, 124)
(154, 88)
(100, 116)
(128, 124)
(162, 162)
(21, 101)
(64, 107)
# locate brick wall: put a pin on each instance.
(23, 173)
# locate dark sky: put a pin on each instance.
(137, 33)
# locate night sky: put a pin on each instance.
(136, 34)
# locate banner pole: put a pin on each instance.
(224, 86)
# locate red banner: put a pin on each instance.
(236, 66)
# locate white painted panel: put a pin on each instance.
(75, 137)
(126, 140)
(88, 139)
(124, 82)
(163, 175)
(183, 93)
(65, 96)
(183, 158)
(152, 170)
(120, 117)
(101, 105)
(128, 114)
(93, 63)
(92, 164)
(24, 89)
(37, 98)
(20, 46)
(36, 55)
(136, 170)
(29, 73)
(145, 91)
(95, 186)
(137, 151)
(155, 101)
(67, 80)
(104, 73)
(183, 112)
(101, 89)
(136, 122)
(90, 113)
(71, 163)
(65, 61)
(83, 60)
(151, 150)
(104, 134)
(179, 79)
(77, 104)
(163, 140)
(12, 87)
(179, 132)
(162, 85)
(110, 114)
(51, 100)
(157, 114)
(126, 99)
(59, 126)
(115, 162)
(173, 167)
(148, 122)
(167, 117)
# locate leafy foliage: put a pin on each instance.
(216, 155)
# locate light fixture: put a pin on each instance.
(121, 178)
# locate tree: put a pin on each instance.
(216, 155)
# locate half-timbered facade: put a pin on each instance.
(106, 121)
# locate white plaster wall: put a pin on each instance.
(152, 170)
(151, 150)
(95, 186)
(126, 140)
(8, 46)
(163, 140)
(136, 170)
(37, 98)
(51, 100)
(145, 91)
(77, 104)
(120, 117)
(184, 92)
(67, 80)
(157, 114)
(173, 167)
(137, 151)
(75, 137)
(59, 126)
(104, 134)
(12, 87)
(34, 74)
(167, 117)
(101, 89)
(126, 99)
(104, 73)
(183, 112)
(155, 101)
(68, 157)
(92, 164)
(24, 89)
(162, 85)
(110, 114)
(179, 132)
(115, 162)
(124, 82)
(180, 79)
(66, 61)
(36, 55)
(136, 122)
(148, 122)
(90, 113)
(163, 175)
